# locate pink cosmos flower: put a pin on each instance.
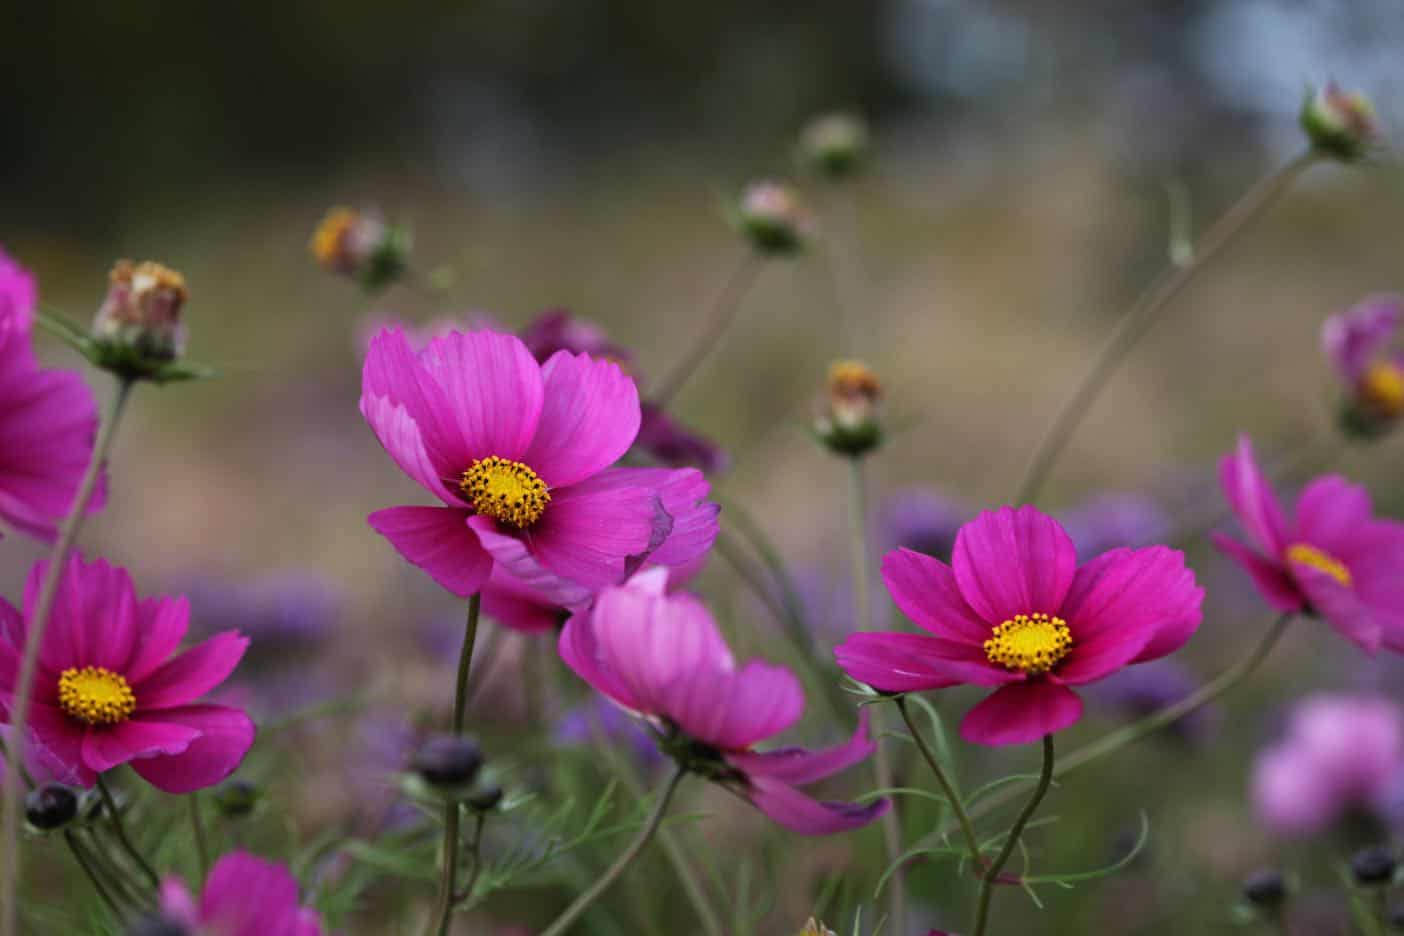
(1356, 343)
(519, 454)
(110, 691)
(1014, 610)
(1333, 559)
(243, 896)
(48, 419)
(661, 656)
(1340, 753)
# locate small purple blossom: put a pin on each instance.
(925, 520)
(1139, 691)
(1109, 521)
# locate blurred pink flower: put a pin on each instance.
(109, 690)
(662, 656)
(48, 419)
(1014, 610)
(1334, 559)
(243, 896)
(1356, 343)
(1340, 753)
(519, 455)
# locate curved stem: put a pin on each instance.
(1045, 780)
(120, 830)
(967, 828)
(1141, 315)
(448, 873)
(583, 902)
(118, 878)
(475, 852)
(85, 862)
(202, 844)
(724, 311)
(34, 640)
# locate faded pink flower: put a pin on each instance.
(243, 896)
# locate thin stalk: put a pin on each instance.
(967, 828)
(724, 310)
(202, 843)
(123, 887)
(1045, 780)
(448, 874)
(845, 264)
(1142, 314)
(110, 804)
(596, 890)
(475, 852)
(85, 862)
(24, 688)
(788, 606)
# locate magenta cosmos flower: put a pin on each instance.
(662, 657)
(519, 454)
(111, 689)
(1333, 558)
(243, 896)
(1357, 346)
(47, 420)
(1014, 610)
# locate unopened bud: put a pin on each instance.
(834, 145)
(771, 217)
(1265, 888)
(447, 761)
(236, 798)
(486, 798)
(1373, 866)
(138, 325)
(361, 246)
(51, 806)
(1340, 124)
(848, 421)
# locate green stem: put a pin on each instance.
(1142, 314)
(202, 844)
(123, 887)
(34, 641)
(120, 830)
(85, 862)
(448, 876)
(1045, 780)
(475, 852)
(728, 303)
(596, 890)
(967, 828)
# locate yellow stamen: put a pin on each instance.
(327, 239)
(1030, 643)
(1321, 561)
(507, 491)
(96, 695)
(1383, 386)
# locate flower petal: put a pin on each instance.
(1352, 338)
(513, 554)
(800, 766)
(226, 734)
(186, 677)
(403, 441)
(493, 389)
(105, 748)
(59, 747)
(1021, 713)
(683, 493)
(733, 710)
(1341, 607)
(589, 418)
(162, 623)
(926, 591)
(511, 603)
(393, 375)
(1276, 586)
(247, 896)
(439, 541)
(93, 621)
(1332, 514)
(1252, 500)
(1013, 561)
(799, 813)
(897, 662)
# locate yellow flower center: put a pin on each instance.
(326, 240)
(507, 491)
(1321, 561)
(1383, 386)
(1030, 643)
(96, 695)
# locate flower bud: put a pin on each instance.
(1373, 866)
(156, 926)
(771, 217)
(486, 798)
(447, 761)
(834, 145)
(138, 324)
(50, 806)
(848, 422)
(1340, 124)
(236, 798)
(1265, 888)
(361, 246)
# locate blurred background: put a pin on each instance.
(580, 153)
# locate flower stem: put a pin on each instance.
(448, 877)
(119, 880)
(596, 890)
(34, 641)
(110, 804)
(202, 844)
(1045, 780)
(85, 862)
(728, 303)
(475, 852)
(967, 828)
(1142, 314)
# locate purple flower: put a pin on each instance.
(580, 726)
(924, 520)
(1340, 753)
(1108, 521)
(1357, 346)
(558, 330)
(244, 896)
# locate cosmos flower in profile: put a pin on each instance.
(1357, 344)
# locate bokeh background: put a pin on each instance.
(579, 153)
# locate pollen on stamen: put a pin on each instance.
(96, 695)
(508, 491)
(1382, 385)
(1321, 561)
(1029, 643)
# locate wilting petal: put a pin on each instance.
(1252, 500)
(193, 673)
(226, 734)
(1013, 561)
(925, 590)
(1274, 584)
(800, 766)
(493, 389)
(1021, 713)
(798, 813)
(439, 541)
(896, 662)
(589, 418)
